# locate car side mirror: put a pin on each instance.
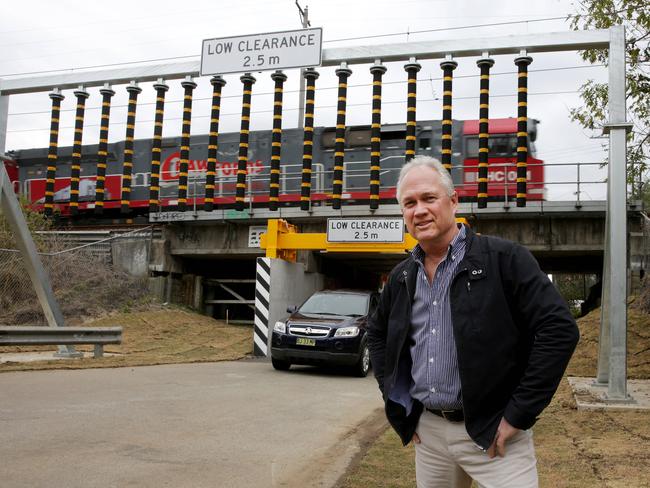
(292, 309)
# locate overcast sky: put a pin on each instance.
(38, 36)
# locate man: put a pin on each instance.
(468, 344)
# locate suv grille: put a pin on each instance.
(307, 330)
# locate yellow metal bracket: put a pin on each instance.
(281, 241)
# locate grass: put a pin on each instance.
(575, 449)
(158, 335)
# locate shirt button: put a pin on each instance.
(433, 331)
(430, 360)
(435, 302)
(433, 390)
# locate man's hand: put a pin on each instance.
(416, 438)
(504, 432)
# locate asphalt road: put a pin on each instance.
(230, 424)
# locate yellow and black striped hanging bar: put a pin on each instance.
(127, 166)
(522, 63)
(448, 66)
(75, 167)
(247, 79)
(156, 145)
(377, 70)
(52, 154)
(485, 63)
(102, 152)
(412, 68)
(339, 145)
(311, 75)
(276, 141)
(189, 87)
(217, 83)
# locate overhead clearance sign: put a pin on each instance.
(260, 52)
(365, 230)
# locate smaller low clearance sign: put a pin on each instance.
(259, 52)
(365, 230)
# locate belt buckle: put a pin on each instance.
(445, 412)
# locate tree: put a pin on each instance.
(635, 16)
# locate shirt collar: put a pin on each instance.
(454, 246)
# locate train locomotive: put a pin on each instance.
(29, 166)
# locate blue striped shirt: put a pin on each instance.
(435, 377)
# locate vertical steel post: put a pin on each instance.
(412, 69)
(189, 87)
(52, 155)
(522, 63)
(75, 167)
(310, 76)
(242, 161)
(377, 70)
(102, 152)
(339, 145)
(617, 203)
(213, 142)
(276, 144)
(127, 166)
(448, 66)
(4, 119)
(156, 145)
(602, 374)
(484, 64)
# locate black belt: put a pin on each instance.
(451, 415)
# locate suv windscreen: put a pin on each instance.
(336, 304)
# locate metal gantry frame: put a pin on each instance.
(613, 358)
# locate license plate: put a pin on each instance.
(302, 341)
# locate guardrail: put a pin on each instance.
(46, 336)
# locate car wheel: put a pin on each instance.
(363, 365)
(280, 365)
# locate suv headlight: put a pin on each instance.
(280, 327)
(347, 332)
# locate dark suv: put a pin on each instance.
(329, 329)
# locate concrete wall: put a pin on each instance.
(132, 256)
(290, 285)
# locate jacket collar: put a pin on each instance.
(473, 262)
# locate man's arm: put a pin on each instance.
(553, 331)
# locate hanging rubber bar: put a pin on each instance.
(412, 68)
(311, 75)
(75, 167)
(102, 152)
(484, 64)
(339, 145)
(52, 154)
(276, 139)
(156, 145)
(377, 71)
(217, 83)
(522, 63)
(127, 166)
(189, 87)
(448, 66)
(247, 79)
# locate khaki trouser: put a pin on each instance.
(448, 458)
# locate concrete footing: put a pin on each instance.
(590, 395)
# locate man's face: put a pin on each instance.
(429, 212)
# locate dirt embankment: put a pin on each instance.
(158, 335)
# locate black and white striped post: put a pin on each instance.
(262, 299)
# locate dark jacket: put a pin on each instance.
(514, 337)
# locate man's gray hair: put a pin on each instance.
(427, 162)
